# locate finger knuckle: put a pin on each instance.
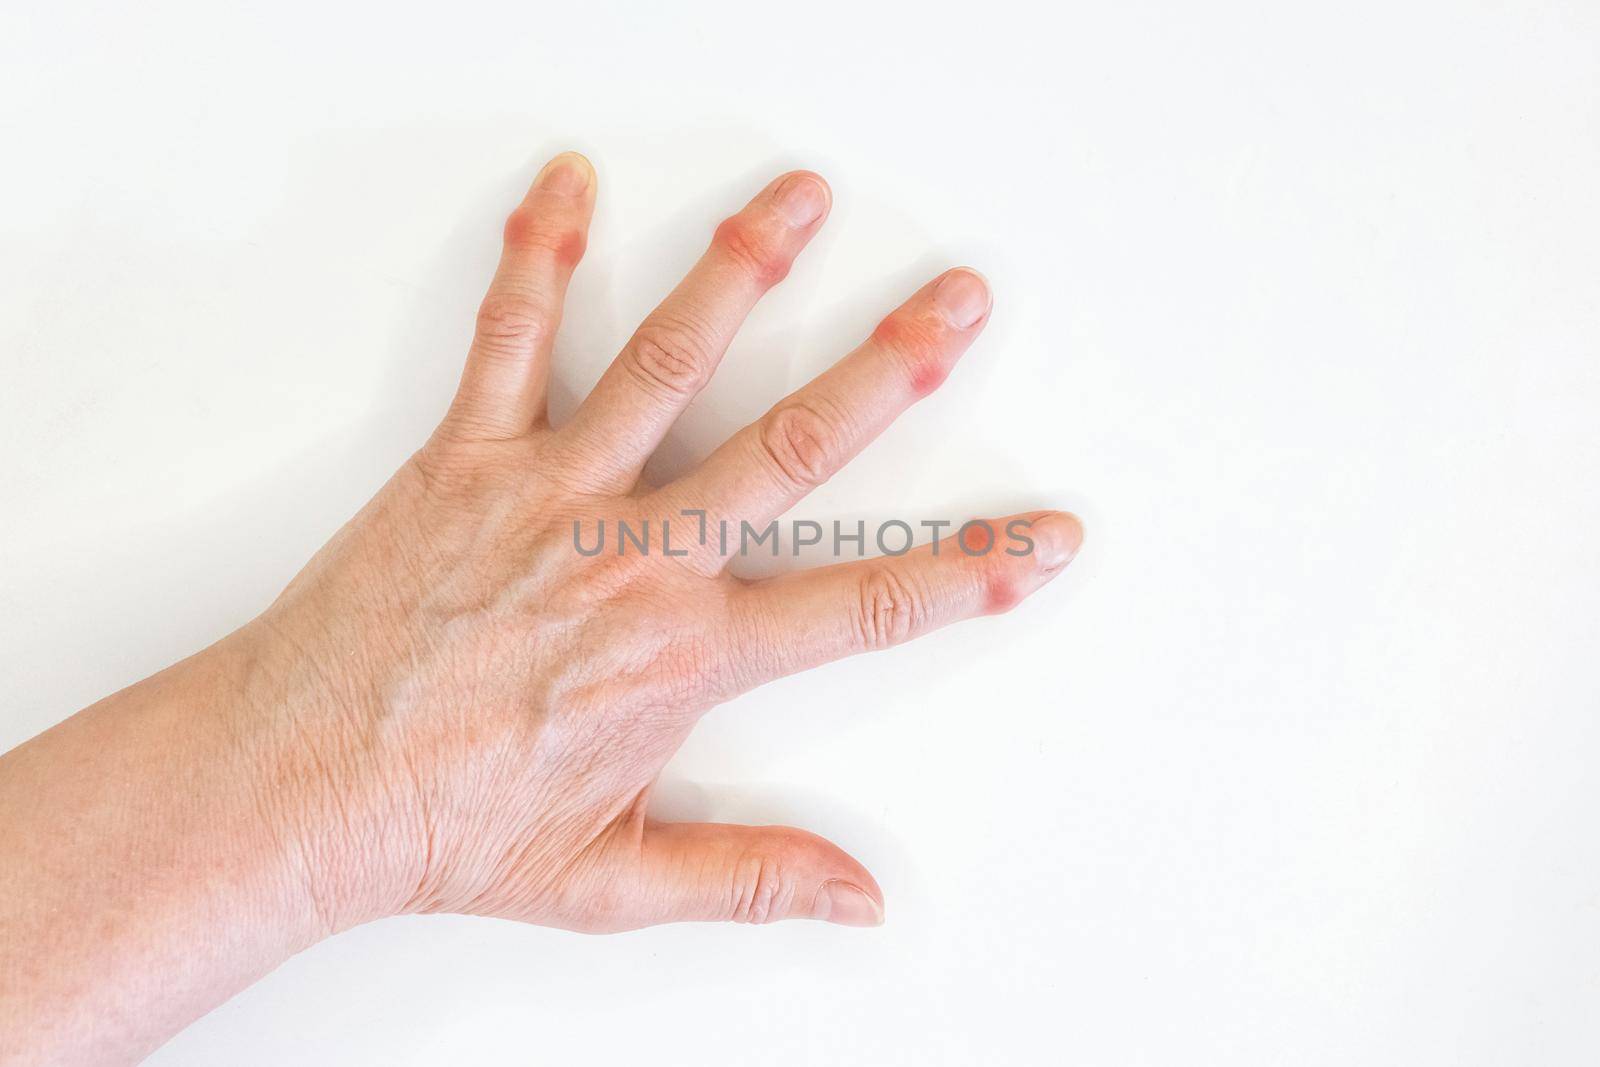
(800, 442)
(891, 609)
(510, 322)
(917, 346)
(763, 891)
(671, 358)
(999, 582)
(754, 248)
(530, 231)
(1001, 594)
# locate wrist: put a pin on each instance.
(333, 819)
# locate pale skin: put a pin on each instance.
(450, 709)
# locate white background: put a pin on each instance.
(1297, 306)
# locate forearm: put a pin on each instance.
(145, 875)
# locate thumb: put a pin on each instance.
(715, 872)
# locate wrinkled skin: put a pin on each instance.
(452, 709)
(507, 701)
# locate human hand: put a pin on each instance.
(468, 713)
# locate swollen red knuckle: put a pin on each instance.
(915, 342)
(528, 230)
(671, 359)
(891, 610)
(755, 251)
(800, 443)
(911, 336)
(1001, 594)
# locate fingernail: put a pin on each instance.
(962, 297)
(568, 174)
(1057, 538)
(846, 904)
(801, 199)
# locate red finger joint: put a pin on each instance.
(1000, 595)
(752, 246)
(920, 346)
(528, 231)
